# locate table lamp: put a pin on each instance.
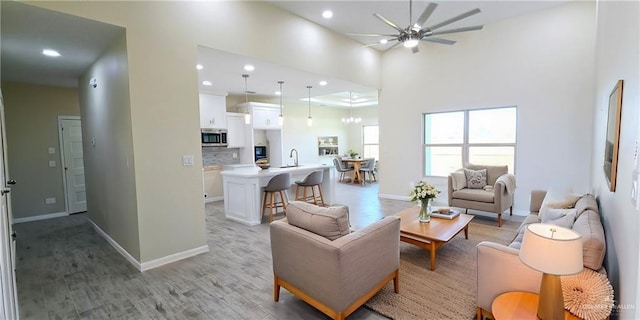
(554, 251)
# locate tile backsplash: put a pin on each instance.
(212, 156)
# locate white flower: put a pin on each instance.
(423, 190)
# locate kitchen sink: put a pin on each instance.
(291, 166)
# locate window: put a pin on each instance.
(370, 142)
(486, 136)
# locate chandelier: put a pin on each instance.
(351, 119)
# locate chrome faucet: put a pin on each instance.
(295, 161)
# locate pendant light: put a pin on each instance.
(247, 115)
(351, 119)
(280, 117)
(309, 120)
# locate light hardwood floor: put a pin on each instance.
(65, 270)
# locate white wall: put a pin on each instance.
(296, 133)
(541, 62)
(618, 51)
(369, 116)
(109, 170)
(162, 41)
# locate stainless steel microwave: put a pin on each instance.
(213, 137)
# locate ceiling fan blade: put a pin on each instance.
(378, 43)
(426, 14)
(415, 49)
(371, 35)
(387, 21)
(439, 40)
(395, 45)
(463, 29)
(454, 19)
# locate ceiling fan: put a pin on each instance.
(410, 36)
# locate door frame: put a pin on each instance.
(62, 162)
(8, 284)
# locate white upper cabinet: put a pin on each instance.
(213, 111)
(235, 130)
(265, 118)
(263, 115)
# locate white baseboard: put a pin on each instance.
(40, 217)
(394, 197)
(144, 266)
(173, 258)
(213, 199)
(116, 246)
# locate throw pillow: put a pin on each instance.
(559, 217)
(476, 179)
(560, 199)
(331, 223)
(459, 180)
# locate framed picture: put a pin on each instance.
(613, 135)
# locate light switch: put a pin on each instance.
(52, 163)
(52, 150)
(187, 160)
(50, 200)
(235, 155)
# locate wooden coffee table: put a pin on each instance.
(431, 235)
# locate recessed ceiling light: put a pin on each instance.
(327, 14)
(199, 66)
(249, 67)
(206, 83)
(383, 41)
(322, 83)
(278, 93)
(50, 53)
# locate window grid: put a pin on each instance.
(370, 141)
(465, 145)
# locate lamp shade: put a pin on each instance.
(551, 249)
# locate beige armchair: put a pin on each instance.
(334, 276)
(497, 198)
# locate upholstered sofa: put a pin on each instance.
(496, 197)
(500, 269)
(317, 257)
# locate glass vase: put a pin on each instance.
(425, 210)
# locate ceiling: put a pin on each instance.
(356, 16)
(224, 70)
(26, 30)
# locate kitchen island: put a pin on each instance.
(243, 187)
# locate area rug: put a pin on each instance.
(449, 292)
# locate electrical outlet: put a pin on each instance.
(52, 163)
(49, 200)
(52, 150)
(235, 155)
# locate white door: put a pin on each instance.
(9, 303)
(73, 159)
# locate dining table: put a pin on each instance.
(357, 164)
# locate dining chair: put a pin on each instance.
(340, 167)
(369, 169)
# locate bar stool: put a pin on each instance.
(277, 184)
(314, 179)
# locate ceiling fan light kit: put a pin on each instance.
(410, 36)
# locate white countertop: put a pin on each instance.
(255, 171)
